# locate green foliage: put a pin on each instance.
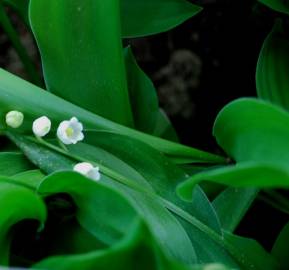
(138, 19)
(132, 217)
(93, 79)
(272, 70)
(277, 5)
(255, 134)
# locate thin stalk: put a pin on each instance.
(21, 51)
(217, 238)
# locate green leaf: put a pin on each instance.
(252, 130)
(272, 70)
(31, 178)
(141, 18)
(17, 203)
(12, 163)
(280, 249)
(277, 5)
(98, 220)
(170, 224)
(34, 102)
(40, 156)
(82, 54)
(245, 174)
(137, 250)
(255, 134)
(164, 127)
(232, 204)
(144, 100)
(162, 175)
(251, 250)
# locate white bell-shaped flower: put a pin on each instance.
(70, 131)
(41, 126)
(87, 169)
(14, 119)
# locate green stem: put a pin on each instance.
(21, 51)
(235, 253)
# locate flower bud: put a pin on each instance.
(41, 126)
(87, 170)
(14, 119)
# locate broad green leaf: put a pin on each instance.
(277, 5)
(170, 230)
(232, 204)
(280, 249)
(159, 172)
(17, 203)
(143, 96)
(252, 130)
(255, 134)
(251, 250)
(137, 250)
(100, 210)
(273, 67)
(141, 18)
(40, 156)
(12, 163)
(31, 178)
(163, 224)
(34, 102)
(164, 127)
(81, 52)
(136, 16)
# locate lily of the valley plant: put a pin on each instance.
(97, 178)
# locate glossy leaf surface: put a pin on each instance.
(255, 134)
(272, 79)
(138, 19)
(277, 5)
(82, 54)
(16, 202)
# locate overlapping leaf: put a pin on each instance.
(143, 97)
(81, 51)
(255, 134)
(34, 102)
(141, 18)
(272, 70)
(277, 5)
(16, 202)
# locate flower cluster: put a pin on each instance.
(68, 132)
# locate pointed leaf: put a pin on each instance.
(17, 94)
(232, 204)
(144, 100)
(17, 203)
(273, 67)
(81, 54)
(141, 18)
(255, 134)
(277, 5)
(280, 249)
(20, 163)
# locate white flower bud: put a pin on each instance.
(88, 170)
(41, 126)
(14, 119)
(70, 132)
